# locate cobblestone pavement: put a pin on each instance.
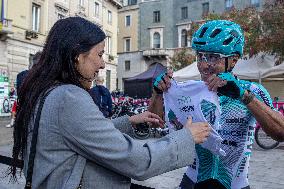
(266, 167)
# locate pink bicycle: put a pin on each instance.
(261, 138)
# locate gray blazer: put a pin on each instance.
(75, 140)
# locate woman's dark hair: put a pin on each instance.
(66, 40)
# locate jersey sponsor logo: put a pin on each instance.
(241, 166)
(187, 108)
(230, 143)
(184, 100)
(235, 133)
(237, 120)
(263, 96)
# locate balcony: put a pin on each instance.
(157, 53)
(6, 26)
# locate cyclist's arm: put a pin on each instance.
(156, 104)
(262, 109)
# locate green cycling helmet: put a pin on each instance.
(219, 36)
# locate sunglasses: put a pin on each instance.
(210, 58)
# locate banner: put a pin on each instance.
(5, 101)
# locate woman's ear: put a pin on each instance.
(79, 59)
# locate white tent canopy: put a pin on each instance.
(258, 67)
(188, 73)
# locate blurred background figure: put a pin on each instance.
(102, 97)
(20, 78)
(12, 92)
(13, 115)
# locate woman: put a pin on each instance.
(75, 142)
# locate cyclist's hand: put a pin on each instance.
(163, 82)
(147, 117)
(199, 130)
(226, 84)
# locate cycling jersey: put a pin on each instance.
(237, 130)
(182, 100)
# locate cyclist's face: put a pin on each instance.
(211, 63)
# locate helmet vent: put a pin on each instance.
(234, 33)
(216, 32)
(227, 41)
(203, 32)
(199, 43)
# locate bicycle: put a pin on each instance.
(262, 139)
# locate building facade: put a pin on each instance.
(130, 60)
(25, 25)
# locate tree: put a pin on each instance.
(273, 29)
(264, 30)
(181, 58)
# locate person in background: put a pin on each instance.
(12, 92)
(102, 97)
(12, 95)
(13, 115)
(22, 75)
(20, 78)
(77, 146)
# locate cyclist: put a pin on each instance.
(218, 45)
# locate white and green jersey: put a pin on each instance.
(237, 129)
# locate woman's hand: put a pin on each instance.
(199, 130)
(146, 117)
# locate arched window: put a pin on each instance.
(184, 38)
(156, 40)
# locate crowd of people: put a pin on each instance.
(63, 133)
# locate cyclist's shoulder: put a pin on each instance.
(253, 87)
(258, 90)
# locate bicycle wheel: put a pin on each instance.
(263, 140)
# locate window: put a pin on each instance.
(108, 74)
(127, 65)
(35, 17)
(127, 44)
(131, 2)
(205, 9)
(228, 4)
(156, 40)
(156, 16)
(97, 10)
(81, 2)
(255, 3)
(109, 17)
(108, 45)
(60, 16)
(184, 38)
(127, 20)
(184, 13)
